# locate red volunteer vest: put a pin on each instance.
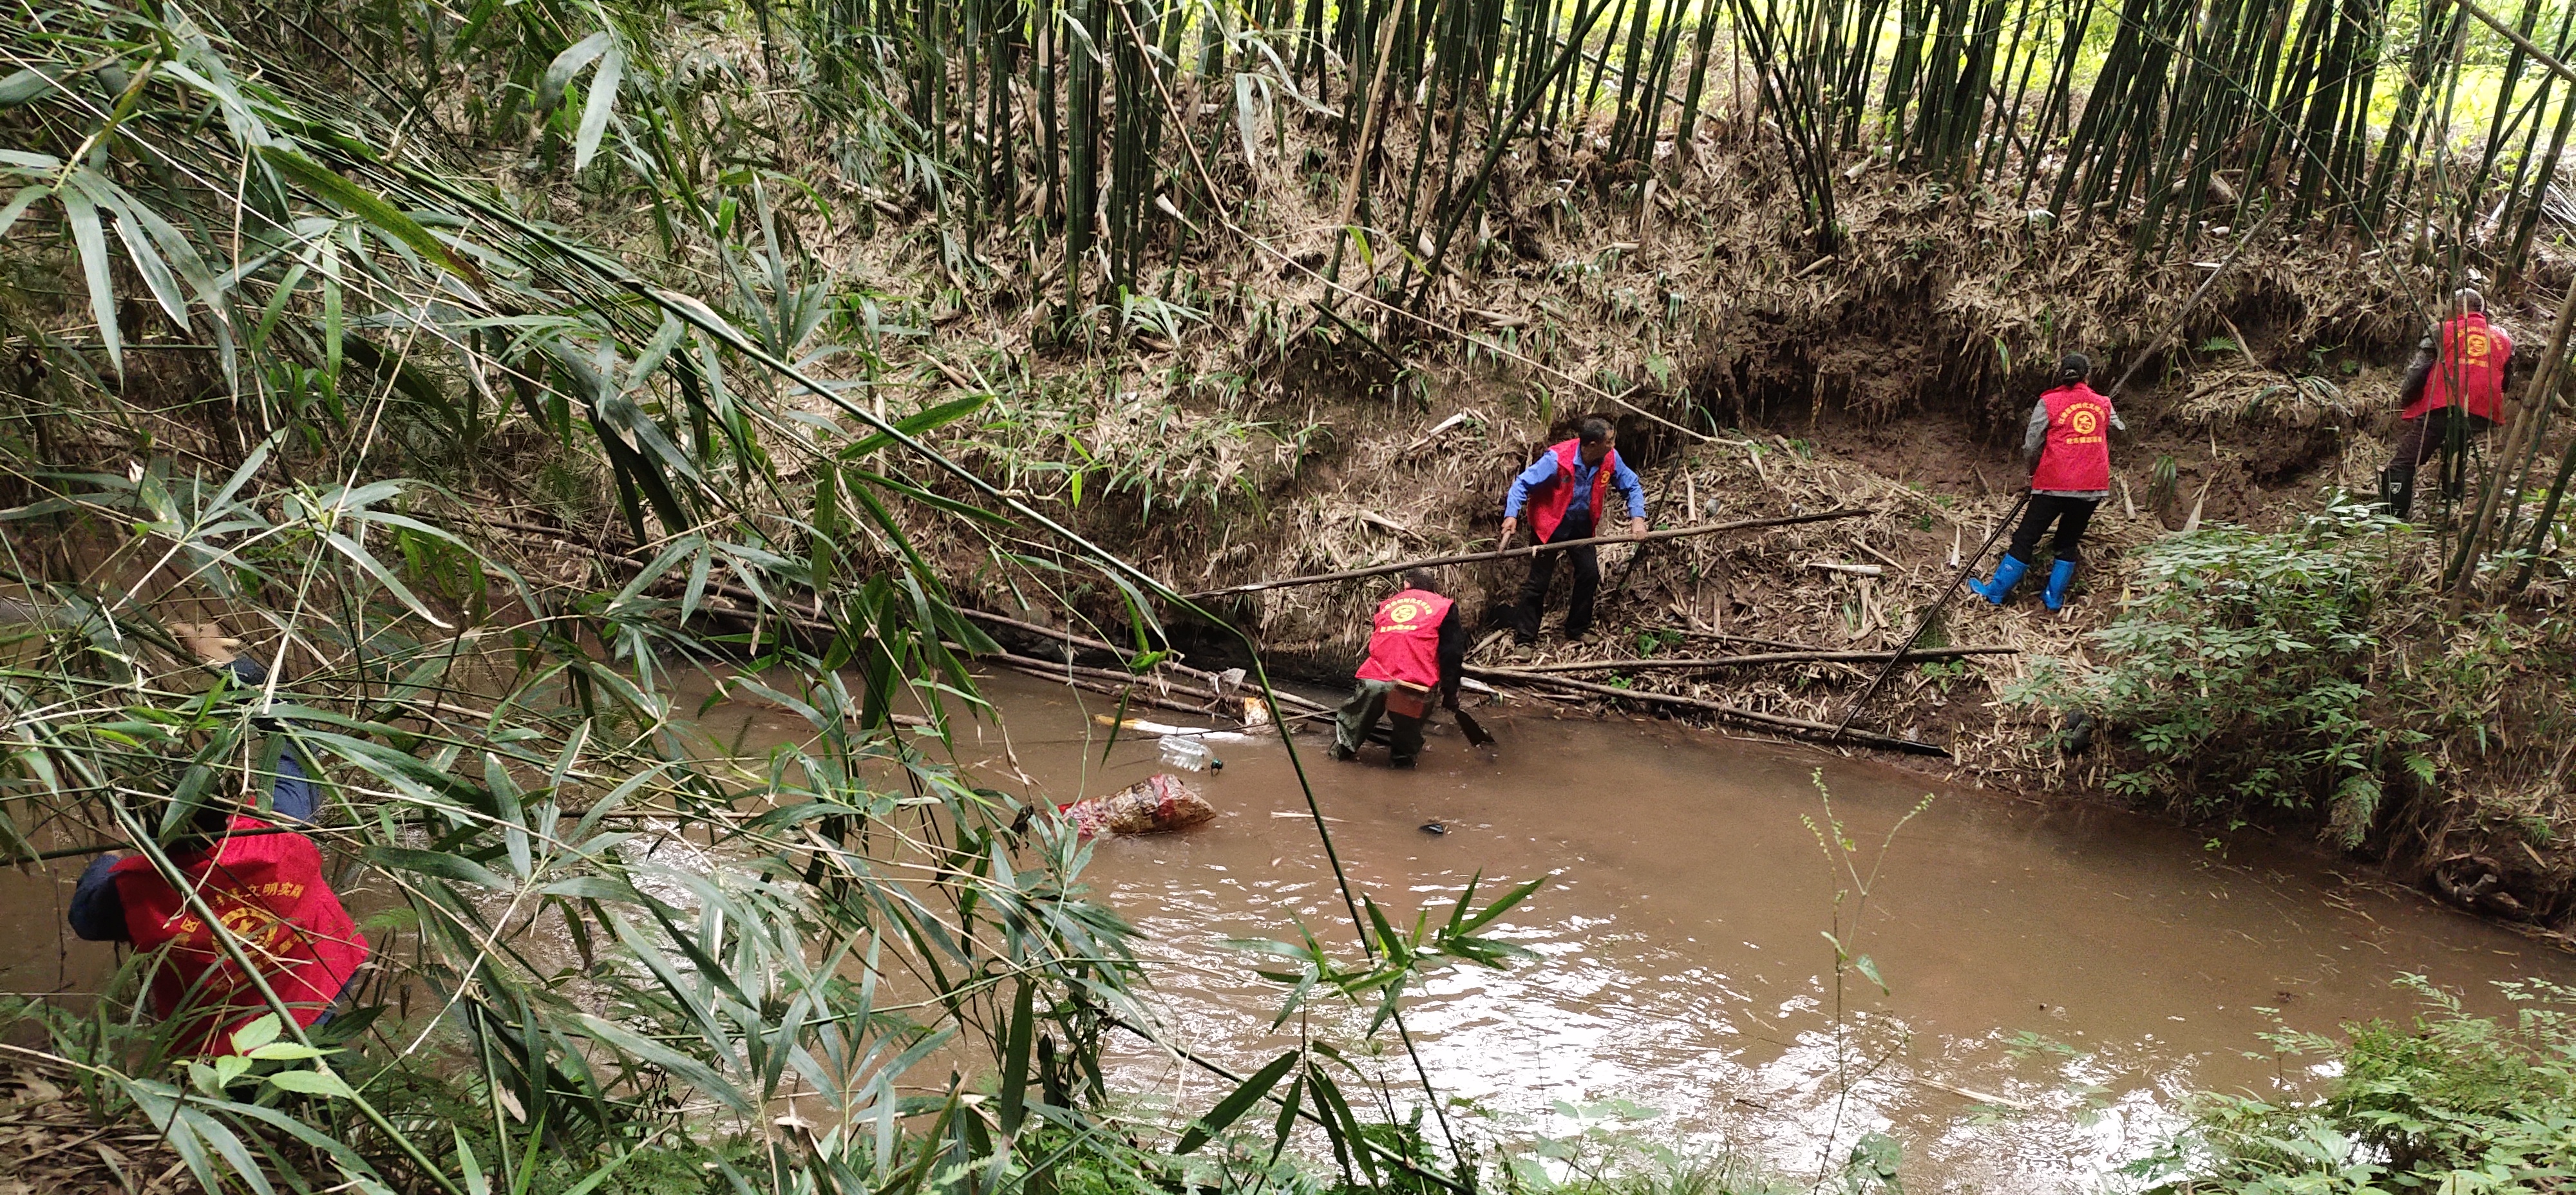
(2078, 453)
(2470, 370)
(1547, 507)
(267, 887)
(1404, 645)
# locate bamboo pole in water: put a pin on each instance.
(1380, 570)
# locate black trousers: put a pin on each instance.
(1587, 582)
(2430, 433)
(2072, 516)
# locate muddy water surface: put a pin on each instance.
(2057, 977)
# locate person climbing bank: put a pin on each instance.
(2457, 382)
(1416, 647)
(2070, 435)
(262, 880)
(1587, 466)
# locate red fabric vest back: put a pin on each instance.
(1404, 645)
(266, 886)
(1547, 508)
(2470, 370)
(2078, 453)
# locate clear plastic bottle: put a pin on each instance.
(1184, 752)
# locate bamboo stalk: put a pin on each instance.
(1795, 727)
(1381, 570)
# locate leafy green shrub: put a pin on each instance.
(2242, 674)
(2460, 1103)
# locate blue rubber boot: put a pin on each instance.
(2060, 575)
(2007, 574)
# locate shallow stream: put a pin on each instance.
(2058, 977)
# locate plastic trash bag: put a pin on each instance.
(1154, 805)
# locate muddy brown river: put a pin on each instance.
(2057, 977)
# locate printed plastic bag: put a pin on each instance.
(1156, 804)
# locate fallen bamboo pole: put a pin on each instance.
(1139, 694)
(1533, 550)
(1796, 727)
(1714, 663)
(1085, 641)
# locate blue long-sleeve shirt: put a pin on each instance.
(98, 911)
(1621, 479)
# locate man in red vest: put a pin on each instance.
(262, 881)
(2454, 387)
(1416, 647)
(1587, 466)
(2070, 434)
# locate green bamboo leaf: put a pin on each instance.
(319, 1081)
(91, 240)
(17, 207)
(139, 247)
(439, 864)
(1500, 906)
(258, 1033)
(1233, 1106)
(366, 560)
(594, 114)
(23, 86)
(370, 207)
(682, 1067)
(559, 73)
(1015, 1055)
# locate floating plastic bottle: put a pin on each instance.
(1184, 752)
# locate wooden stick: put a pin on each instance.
(1795, 727)
(1713, 663)
(1533, 550)
(1140, 694)
(1942, 603)
(1285, 697)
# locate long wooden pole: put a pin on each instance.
(1533, 550)
(1798, 727)
(1714, 663)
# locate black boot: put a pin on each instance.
(2397, 490)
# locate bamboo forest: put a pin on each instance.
(962, 597)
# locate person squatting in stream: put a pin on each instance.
(1416, 645)
(2454, 386)
(262, 880)
(1588, 464)
(2070, 435)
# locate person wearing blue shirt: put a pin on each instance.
(1587, 466)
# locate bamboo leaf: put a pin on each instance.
(680, 1066)
(367, 561)
(1015, 1055)
(559, 72)
(92, 243)
(594, 114)
(1233, 1106)
(17, 206)
(23, 86)
(439, 864)
(319, 1081)
(138, 246)
(370, 207)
